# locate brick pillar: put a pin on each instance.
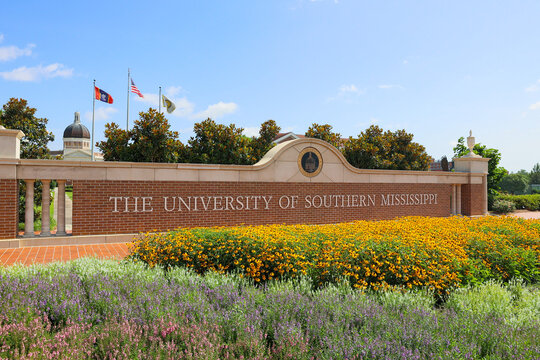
(9, 215)
(474, 193)
(10, 149)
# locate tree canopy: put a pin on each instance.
(324, 132)
(378, 149)
(225, 144)
(16, 114)
(535, 174)
(219, 144)
(150, 140)
(262, 144)
(514, 183)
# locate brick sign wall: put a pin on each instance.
(304, 181)
(131, 206)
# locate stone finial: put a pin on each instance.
(77, 117)
(470, 144)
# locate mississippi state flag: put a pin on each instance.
(102, 95)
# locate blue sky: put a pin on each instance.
(434, 68)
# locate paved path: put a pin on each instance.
(526, 214)
(47, 254)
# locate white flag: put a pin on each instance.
(168, 104)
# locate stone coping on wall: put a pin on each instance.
(67, 240)
(280, 164)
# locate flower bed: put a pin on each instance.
(94, 309)
(413, 252)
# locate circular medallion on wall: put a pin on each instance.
(310, 162)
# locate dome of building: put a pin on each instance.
(77, 130)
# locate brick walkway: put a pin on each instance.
(46, 254)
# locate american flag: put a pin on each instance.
(135, 90)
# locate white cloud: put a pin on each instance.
(172, 91)
(533, 87)
(12, 52)
(37, 73)
(101, 113)
(251, 131)
(390, 86)
(149, 98)
(535, 106)
(346, 89)
(184, 107)
(347, 93)
(1, 37)
(217, 110)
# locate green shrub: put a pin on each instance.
(513, 302)
(528, 202)
(503, 206)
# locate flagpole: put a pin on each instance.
(93, 111)
(127, 119)
(159, 100)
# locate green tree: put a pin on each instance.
(116, 145)
(219, 144)
(534, 175)
(495, 172)
(150, 140)
(514, 183)
(378, 149)
(324, 132)
(525, 175)
(262, 144)
(16, 114)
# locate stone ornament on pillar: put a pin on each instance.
(470, 144)
(10, 143)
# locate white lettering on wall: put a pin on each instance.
(115, 198)
(144, 204)
(132, 206)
